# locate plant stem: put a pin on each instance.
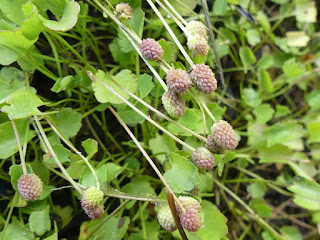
(216, 55)
(23, 163)
(70, 145)
(94, 79)
(175, 12)
(256, 216)
(63, 170)
(184, 53)
(9, 216)
(147, 157)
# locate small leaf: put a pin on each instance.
(313, 99)
(253, 37)
(124, 78)
(68, 20)
(23, 103)
(62, 83)
(247, 56)
(90, 146)
(139, 185)
(161, 146)
(263, 113)
(145, 85)
(307, 193)
(291, 233)
(68, 122)
(265, 82)
(61, 152)
(306, 12)
(259, 206)
(39, 221)
(314, 132)
(251, 97)
(188, 176)
(297, 39)
(281, 110)
(257, 189)
(113, 170)
(8, 141)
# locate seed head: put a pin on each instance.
(204, 78)
(151, 49)
(123, 11)
(166, 219)
(191, 220)
(30, 186)
(198, 44)
(212, 145)
(174, 104)
(197, 28)
(91, 198)
(203, 158)
(95, 213)
(224, 135)
(188, 202)
(178, 81)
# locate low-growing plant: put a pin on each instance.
(159, 119)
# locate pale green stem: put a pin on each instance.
(184, 53)
(256, 216)
(23, 163)
(145, 154)
(194, 95)
(175, 12)
(160, 114)
(63, 170)
(70, 145)
(94, 79)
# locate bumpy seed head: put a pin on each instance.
(91, 198)
(95, 213)
(212, 145)
(188, 202)
(30, 186)
(166, 219)
(191, 220)
(197, 28)
(123, 11)
(198, 44)
(174, 104)
(151, 49)
(204, 78)
(224, 135)
(203, 158)
(178, 81)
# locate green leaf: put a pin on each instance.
(276, 153)
(15, 172)
(145, 85)
(118, 56)
(113, 170)
(291, 68)
(68, 20)
(291, 233)
(259, 206)
(139, 185)
(23, 103)
(307, 193)
(257, 189)
(313, 99)
(90, 146)
(137, 21)
(13, 10)
(251, 97)
(131, 117)
(220, 7)
(8, 141)
(124, 78)
(281, 110)
(39, 221)
(16, 230)
(169, 50)
(263, 113)
(284, 133)
(264, 21)
(11, 80)
(161, 146)
(228, 34)
(188, 176)
(247, 56)
(62, 83)
(66, 214)
(61, 152)
(113, 229)
(253, 37)
(87, 179)
(184, 10)
(7, 56)
(68, 122)
(265, 82)
(265, 62)
(214, 222)
(314, 132)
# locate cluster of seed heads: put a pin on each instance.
(91, 202)
(197, 38)
(30, 186)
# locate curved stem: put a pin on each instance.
(23, 163)
(70, 145)
(63, 170)
(147, 157)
